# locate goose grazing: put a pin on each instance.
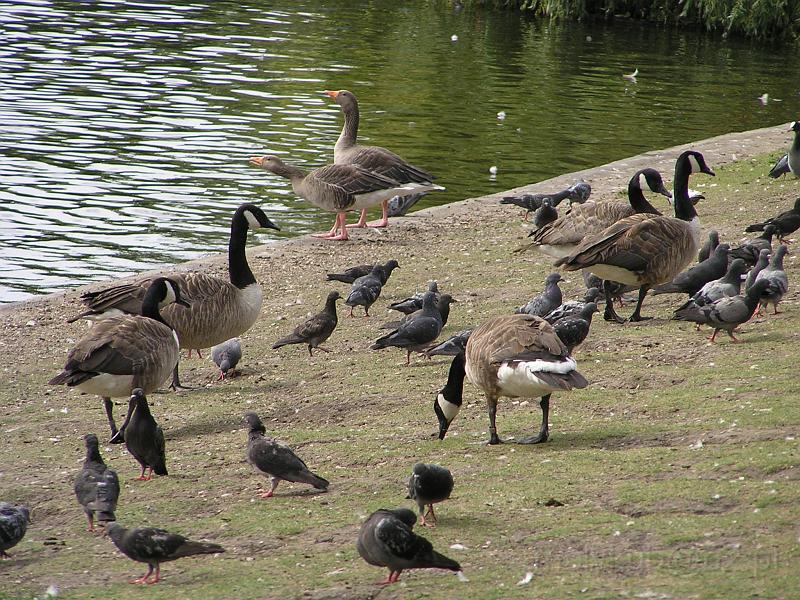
(707, 248)
(414, 303)
(785, 223)
(276, 460)
(155, 546)
(365, 291)
(548, 300)
(451, 346)
(316, 329)
(518, 356)
(691, 280)
(386, 539)
(790, 162)
(417, 331)
(646, 250)
(143, 437)
(725, 314)
(728, 285)
(581, 222)
(336, 188)
(96, 486)
(347, 151)
(220, 309)
(572, 308)
(573, 330)
(761, 264)
(428, 485)
(13, 525)
(777, 278)
(750, 250)
(124, 352)
(353, 273)
(226, 356)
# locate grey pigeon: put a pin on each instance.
(572, 331)
(442, 305)
(777, 278)
(13, 525)
(353, 273)
(428, 485)
(728, 285)
(155, 546)
(533, 202)
(96, 486)
(546, 213)
(785, 223)
(789, 162)
(545, 302)
(750, 249)
(414, 303)
(316, 329)
(400, 205)
(365, 290)
(276, 460)
(143, 437)
(725, 314)
(707, 248)
(579, 192)
(226, 356)
(691, 280)
(386, 539)
(761, 264)
(572, 308)
(451, 346)
(417, 331)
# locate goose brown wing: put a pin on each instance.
(340, 183)
(387, 163)
(582, 220)
(516, 337)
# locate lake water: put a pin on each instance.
(126, 126)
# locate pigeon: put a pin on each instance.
(226, 356)
(13, 525)
(428, 485)
(616, 290)
(155, 546)
(442, 305)
(353, 273)
(143, 437)
(789, 162)
(545, 302)
(707, 248)
(728, 285)
(761, 264)
(276, 460)
(777, 278)
(387, 540)
(750, 249)
(572, 308)
(451, 346)
(726, 313)
(546, 213)
(316, 329)
(414, 303)
(417, 331)
(691, 280)
(400, 205)
(785, 223)
(533, 202)
(579, 192)
(96, 486)
(573, 330)
(365, 290)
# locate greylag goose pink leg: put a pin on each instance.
(384, 222)
(362, 220)
(331, 232)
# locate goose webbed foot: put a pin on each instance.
(539, 438)
(379, 224)
(635, 318)
(611, 315)
(637, 313)
(494, 440)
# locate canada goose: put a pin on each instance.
(778, 280)
(428, 485)
(316, 329)
(514, 356)
(96, 486)
(387, 540)
(13, 525)
(124, 352)
(785, 223)
(154, 546)
(220, 309)
(335, 188)
(548, 300)
(581, 222)
(143, 437)
(376, 159)
(790, 162)
(646, 250)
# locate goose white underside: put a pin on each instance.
(108, 386)
(519, 380)
(375, 198)
(558, 251)
(449, 409)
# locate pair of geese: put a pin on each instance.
(359, 178)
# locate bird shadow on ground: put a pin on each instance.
(197, 428)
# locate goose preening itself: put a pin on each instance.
(548, 300)
(707, 248)
(790, 162)
(352, 273)
(124, 352)
(777, 278)
(316, 329)
(386, 539)
(417, 331)
(518, 356)
(750, 250)
(643, 249)
(451, 346)
(143, 438)
(220, 309)
(226, 356)
(96, 486)
(13, 525)
(785, 223)
(428, 485)
(155, 546)
(276, 460)
(416, 182)
(691, 280)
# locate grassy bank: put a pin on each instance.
(674, 473)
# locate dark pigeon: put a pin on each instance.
(365, 290)
(353, 273)
(572, 331)
(414, 303)
(545, 302)
(789, 162)
(533, 202)
(386, 539)
(442, 305)
(13, 525)
(226, 356)
(572, 308)
(428, 485)
(728, 285)
(777, 278)
(96, 486)
(451, 346)
(579, 192)
(143, 437)
(316, 329)
(785, 223)
(276, 460)
(707, 248)
(546, 213)
(155, 546)
(417, 331)
(691, 280)
(750, 250)
(400, 205)
(761, 264)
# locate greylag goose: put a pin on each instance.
(428, 485)
(785, 223)
(316, 329)
(374, 158)
(143, 437)
(96, 486)
(643, 249)
(518, 356)
(790, 162)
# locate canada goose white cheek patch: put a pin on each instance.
(252, 221)
(449, 410)
(695, 165)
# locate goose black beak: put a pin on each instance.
(665, 192)
(182, 302)
(272, 225)
(708, 171)
(444, 424)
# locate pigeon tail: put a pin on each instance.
(192, 548)
(289, 339)
(690, 312)
(105, 517)
(438, 561)
(315, 480)
(343, 277)
(382, 342)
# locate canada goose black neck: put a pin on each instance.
(684, 209)
(636, 197)
(448, 401)
(155, 294)
(796, 142)
(238, 269)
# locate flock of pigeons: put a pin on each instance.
(139, 329)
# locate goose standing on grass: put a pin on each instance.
(316, 329)
(790, 162)
(143, 438)
(128, 351)
(220, 309)
(778, 280)
(347, 150)
(518, 356)
(785, 223)
(645, 250)
(96, 486)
